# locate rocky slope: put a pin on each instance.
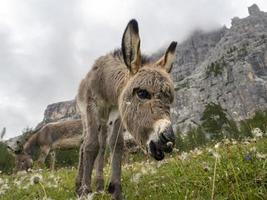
(226, 66)
(60, 111)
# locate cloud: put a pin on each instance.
(47, 47)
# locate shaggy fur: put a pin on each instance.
(59, 135)
(138, 92)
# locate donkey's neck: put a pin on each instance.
(30, 146)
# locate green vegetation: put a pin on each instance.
(220, 159)
(215, 68)
(7, 161)
(66, 158)
(231, 50)
(217, 124)
(181, 86)
(228, 170)
(259, 120)
(242, 51)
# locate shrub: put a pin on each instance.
(217, 124)
(7, 160)
(67, 157)
(259, 120)
(194, 138)
(213, 120)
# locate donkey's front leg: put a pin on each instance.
(100, 159)
(44, 151)
(78, 181)
(90, 151)
(116, 147)
(79, 176)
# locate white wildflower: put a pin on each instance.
(253, 140)
(253, 149)
(226, 141)
(144, 170)
(257, 132)
(5, 186)
(21, 173)
(216, 146)
(246, 142)
(216, 155)
(175, 150)
(1, 181)
(136, 177)
(46, 198)
(198, 152)
(159, 164)
(2, 192)
(183, 156)
(26, 186)
(234, 142)
(18, 182)
(261, 156)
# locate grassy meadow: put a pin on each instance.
(226, 170)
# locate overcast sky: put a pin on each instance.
(47, 46)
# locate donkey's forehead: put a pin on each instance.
(154, 80)
(153, 77)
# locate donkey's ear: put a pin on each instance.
(168, 58)
(130, 46)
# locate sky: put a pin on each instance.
(47, 46)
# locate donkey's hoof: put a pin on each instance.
(86, 197)
(83, 191)
(115, 190)
(111, 188)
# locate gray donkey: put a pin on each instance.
(137, 93)
(52, 136)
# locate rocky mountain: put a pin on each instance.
(225, 66)
(60, 111)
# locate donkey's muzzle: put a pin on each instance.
(167, 139)
(161, 143)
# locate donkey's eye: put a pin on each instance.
(143, 94)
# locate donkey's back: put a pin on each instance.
(104, 81)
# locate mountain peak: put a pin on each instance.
(254, 10)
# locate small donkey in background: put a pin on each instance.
(137, 93)
(57, 135)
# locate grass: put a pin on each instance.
(228, 170)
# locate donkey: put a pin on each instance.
(58, 135)
(135, 91)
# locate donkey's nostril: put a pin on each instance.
(169, 134)
(163, 138)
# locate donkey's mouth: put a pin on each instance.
(155, 152)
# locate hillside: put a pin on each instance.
(226, 170)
